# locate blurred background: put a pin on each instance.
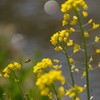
(27, 25)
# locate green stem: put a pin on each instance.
(17, 81)
(27, 96)
(55, 92)
(71, 74)
(85, 55)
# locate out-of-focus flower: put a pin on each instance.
(97, 39)
(74, 92)
(85, 14)
(76, 48)
(95, 26)
(45, 82)
(98, 51)
(11, 67)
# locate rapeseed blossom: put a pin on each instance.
(86, 34)
(95, 26)
(76, 48)
(85, 14)
(90, 21)
(74, 20)
(72, 5)
(61, 91)
(70, 42)
(71, 60)
(45, 66)
(74, 92)
(11, 67)
(98, 51)
(61, 39)
(45, 82)
(42, 66)
(97, 39)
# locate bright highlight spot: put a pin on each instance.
(51, 7)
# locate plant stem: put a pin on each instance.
(85, 55)
(55, 92)
(27, 96)
(17, 81)
(71, 74)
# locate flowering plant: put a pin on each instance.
(50, 78)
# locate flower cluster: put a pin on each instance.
(40, 67)
(72, 10)
(97, 40)
(11, 67)
(45, 66)
(48, 73)
(73, 5)
(74, 92)
(47, 80)
(70, 4)
(61, 39)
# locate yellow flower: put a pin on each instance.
(70, 43)
(16, 65)
(85, 7)
(98, 51)
(59, 37)
(6, 70)
(75, 18)
(66, 16)
(74, 21)
(86, 34)
(65, 19)
(54, 38)
(58, 48)
(6, 75)
(84, 74)
(64, 22)
(40, 66)
(97, 39)
(85, 14)
(90, 21)
(56, 67)
(13, 66)
(76, 70)
(95, 26)
(50, 95)
(74, 91)
(70, 4)
(76, 48)
(71, 60)
(56, 60)
(90, 67)
(45, 91)
(77, 98)
(72, 30)
(61, 91)
(45, 82)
